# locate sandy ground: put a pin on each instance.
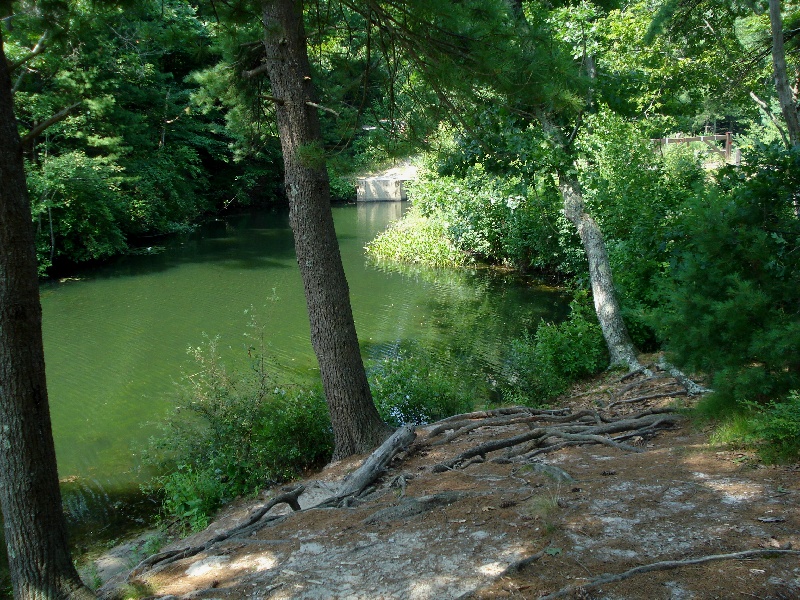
(465, 532)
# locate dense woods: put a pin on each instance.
(534, 124)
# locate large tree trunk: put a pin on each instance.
(357, 426)
(35, 528)
(785, 95)
(620, 347)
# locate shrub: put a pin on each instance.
(543, 365)
(730, 304)
(343, 189)
(412, 386)
(777, 427)
(233, 433)
(773, 430)
(500, 219)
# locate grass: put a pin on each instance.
(416, 239)
(544, 508)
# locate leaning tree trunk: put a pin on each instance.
(620, 347)
(35, 527)
(785, 95)
(356, 424)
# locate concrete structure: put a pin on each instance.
(385, 187)
(377, 189)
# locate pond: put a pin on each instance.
(116, 337)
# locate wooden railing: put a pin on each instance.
(733, 156)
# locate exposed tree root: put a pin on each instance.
(647, 397)
(410, 507)
(693, 388)
(664, 565)
(372, 468)
(548, 430)
(584, 427)
(170, 556)
(457, 421)
(632, 386)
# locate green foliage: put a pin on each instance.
(343, 189)
(136, 155)
(416, 239)
(414, 386)
(636, 195)
(777, 427)
(542, 366)
(77, 205)
(772, 429)
(731, 304)
(493, 219)
(233, 433)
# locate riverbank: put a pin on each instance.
(503, 526)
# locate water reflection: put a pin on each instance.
(116, 339)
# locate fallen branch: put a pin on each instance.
(665, 565)
(353, 485)
(164, 558)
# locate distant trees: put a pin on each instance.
(139, 137)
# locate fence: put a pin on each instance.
(733, 156)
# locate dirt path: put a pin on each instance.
(467, 531)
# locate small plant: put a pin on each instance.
(777, 426)
(544, 509)
(134, 591)
(233, 433)
(149, 545)
(90, 576)
(543, 365)
(411, 387)
(772, 429)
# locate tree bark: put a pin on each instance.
(785, 95)
(620, 347)
(35, 528)
(356, 424)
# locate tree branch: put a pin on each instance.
(59, 116)
(765, 107)
(326, 109)
(36, 51)
(254, 72)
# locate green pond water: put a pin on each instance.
(116, 337)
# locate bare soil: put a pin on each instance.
(471, 531)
